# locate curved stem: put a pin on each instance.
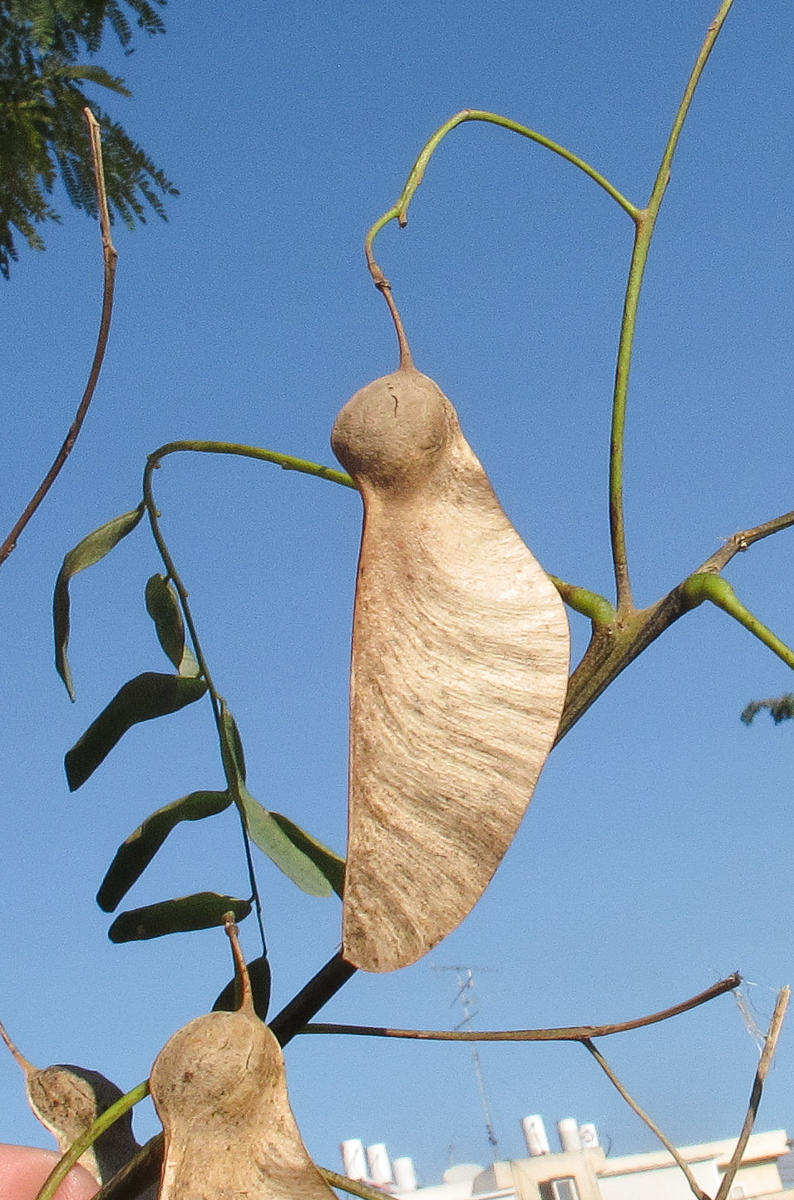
(110, 257)
(286, 461)
(399, 211)
(645, 226)
(79, 1147)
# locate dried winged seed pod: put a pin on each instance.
(220, 1091)
(459, 673)
(67, 1100)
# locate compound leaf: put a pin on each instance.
(134, 855)
(142, 699)
(87, 552)
(203, 910)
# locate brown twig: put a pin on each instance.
(569, 1033)
(110, 256)
(356, 1187)
(744, 539)
(767, 1055)
(632, 1103)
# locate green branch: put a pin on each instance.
(704, 586)
(285, 461)
(86, 1139)
(590, 604)
(399, 212)
(646, 225)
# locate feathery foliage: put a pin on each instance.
(43, 135)
(781, 708)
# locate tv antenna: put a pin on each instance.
(465, 997)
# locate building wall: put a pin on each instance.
(663, 1183)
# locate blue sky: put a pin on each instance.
(656, 855)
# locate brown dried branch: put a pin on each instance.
(356, 1187)
(767, 1055)
(569, 1033)
(110, 256)
(744, 539)
(632, 1103)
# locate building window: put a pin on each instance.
(560, 1189)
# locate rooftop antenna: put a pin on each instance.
(465, 996)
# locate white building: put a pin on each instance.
(582, 1171)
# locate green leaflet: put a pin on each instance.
(331, 865)
(232, 746)
(134, 855)
(309, 864)
(259, 974)
(203, 910)
(162, 605)
(143, 698)
(85, 554)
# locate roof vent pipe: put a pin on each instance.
(379, 1165)
(353, 1160)
(568, 1129)
(589, 1136)
(535, 1135)
(404, 1174)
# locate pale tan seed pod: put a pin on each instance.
(67, 1100)
(459, 672)
(220, 1090)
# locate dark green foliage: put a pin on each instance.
(781, 708)
(204, 910)
(43, 134)
(231, 996)
(142, 699)
(135, 854)
(87, 552)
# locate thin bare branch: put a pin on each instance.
(110, 256)
(632, 1103)
(744, 539)
(767, 1055)
(356, 1187)
(569, 1033)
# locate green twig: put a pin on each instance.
(286, 461)
(590, 604)
(706, 586)
(646, 225)
(79, 1147)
